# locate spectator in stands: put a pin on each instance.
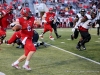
(26, 3)
(62, 12)
(70, 11)
(94, 6)
(70, 21)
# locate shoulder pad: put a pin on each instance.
(79, 15)
(88, 16)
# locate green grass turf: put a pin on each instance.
(52, 61)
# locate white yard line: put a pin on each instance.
(1, 73)
(76, 55)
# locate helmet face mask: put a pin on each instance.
(82, 12)
(50, 10)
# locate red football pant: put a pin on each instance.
(29, 46)
(14, 37)
(2, 33)
(47, 27)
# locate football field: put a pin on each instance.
(60, 57)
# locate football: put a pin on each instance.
(16, 28)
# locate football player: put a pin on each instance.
(84, 29)
(27, 23)
(54, 25)
(48, 17)
(7, 17)
(77, 20)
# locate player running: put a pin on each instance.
(77, 20)
(48, 17)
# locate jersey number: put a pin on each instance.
(29, 28)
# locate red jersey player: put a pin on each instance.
(5, 21)
(26, 22)
(47, 19)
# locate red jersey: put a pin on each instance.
(27, 27)
(6, 20)
(3, 12)
(49, 17)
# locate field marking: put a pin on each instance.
(97, 41)
(62, 42)
(75, 54)
(68, 39)
(1, 73)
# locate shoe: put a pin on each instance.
(16, 66)
(78, 47)
(83, 46)
(26, 67)
(72, 38)
(44, 44)
(41, 36)
(58, 36)
(20, 46)
(51, 38)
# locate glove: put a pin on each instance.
(97, 25)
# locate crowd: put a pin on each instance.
(67, 9)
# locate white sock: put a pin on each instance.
(42, 34)
(26, 62)
(16, 62)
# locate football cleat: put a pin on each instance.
(51, 38)
(83, 47)
(58, 36)
(78, 47)
(26, 67)
(16, 66)
(72, 38)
